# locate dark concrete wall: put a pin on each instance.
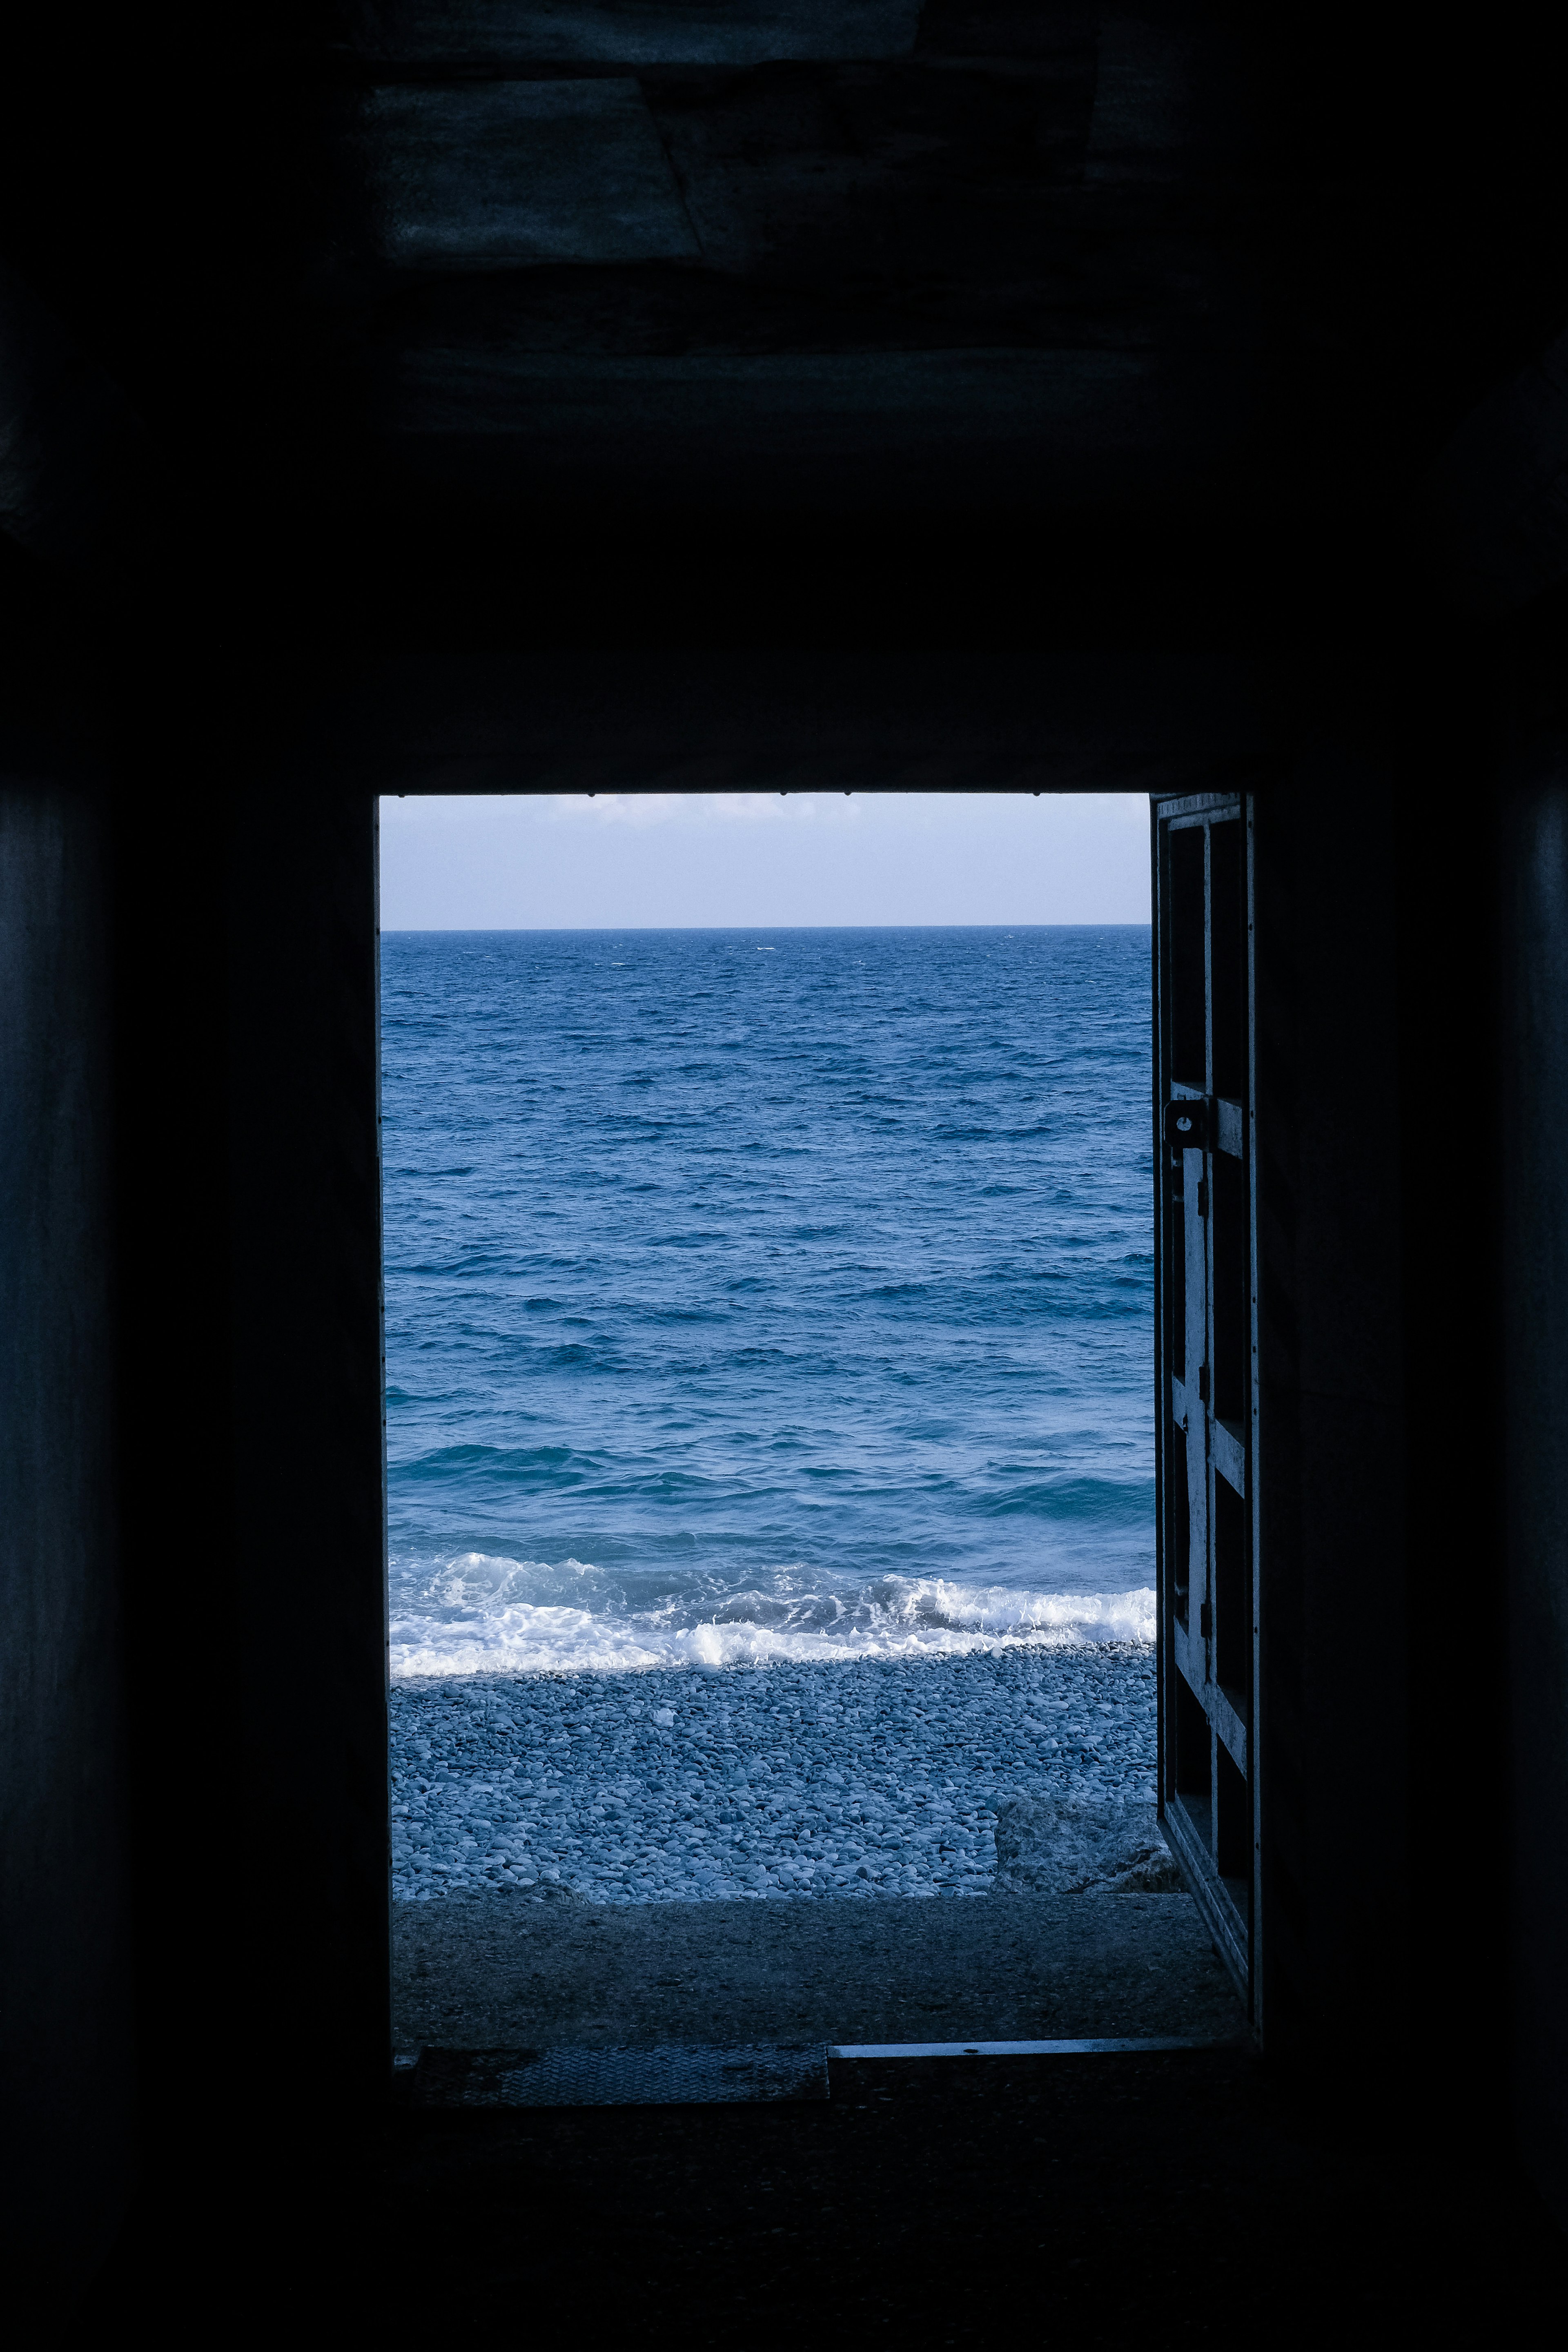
(66, 1973)
(1333, 1662)
(190, 1419)
(250, 1354)
(1533, 1504)
(1044, 715)
(205, 1298)
(303, 1275)
(1384, 1679)
(232, 936)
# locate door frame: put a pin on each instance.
(1229, 1902)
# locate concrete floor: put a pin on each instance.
(495, 1969)
(1176, 2200)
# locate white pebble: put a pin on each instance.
(793, 1782)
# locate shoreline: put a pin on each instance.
(856, 1780)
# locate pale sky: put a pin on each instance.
(625, 861)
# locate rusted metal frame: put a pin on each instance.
(1227, 1447)
(1167, 1623)
(1193, 808)
(1159, 995)
(1165, 1619)
(1256, 1923)
(1227, 1726)
(1188, 1841)
(1165, 1614)
(1230, 1454)
(1229, 1127)
(1230, 1736)
(1210, 1612)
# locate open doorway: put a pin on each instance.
(771, 1433)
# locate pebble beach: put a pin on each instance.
(862, 1780)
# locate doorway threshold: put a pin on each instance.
(708, 2073)
(1080, 2049)
(502, 1973)
(658, 2075)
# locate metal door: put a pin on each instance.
(1207, 1362)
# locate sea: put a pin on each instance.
(763, 1296)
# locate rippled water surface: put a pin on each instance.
(754, 1295)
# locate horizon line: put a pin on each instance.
(512, 930)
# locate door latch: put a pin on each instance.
(1187, 1125)
(1203, 1383)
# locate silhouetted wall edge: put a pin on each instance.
(67, 1976)
(1533, 1055)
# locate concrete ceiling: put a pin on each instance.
(675, 318)
(962, 256)
(695, 721)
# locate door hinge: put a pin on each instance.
(1203, 1383)
(1205, 1619)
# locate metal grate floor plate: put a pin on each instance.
(674, 2074)
(1019, 2049)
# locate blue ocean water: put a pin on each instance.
(773, 1294)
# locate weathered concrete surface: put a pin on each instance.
(563, 32)
(946, 431)
(67, 2064)
(1051, 1843)
(1534, 1053)
(501, 174)
(69, 443)
(487, 1970)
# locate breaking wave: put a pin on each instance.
(476, 1612)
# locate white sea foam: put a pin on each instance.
(468, 1614)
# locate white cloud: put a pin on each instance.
(695, 810)
(640, 809)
